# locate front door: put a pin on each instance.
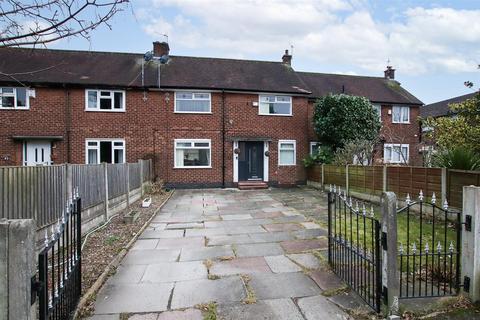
(37, 153)
(250, 160)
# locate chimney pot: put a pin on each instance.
(287, 58)
(160, 49)
(390, 73)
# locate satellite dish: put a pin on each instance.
(148, 56)
(164, 59)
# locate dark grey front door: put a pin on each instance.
(250, 160)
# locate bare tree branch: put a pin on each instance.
(44, 21)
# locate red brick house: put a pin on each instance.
(206, 122)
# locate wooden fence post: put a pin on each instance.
(140, 164)
(127, 181)
(470, 261)
(390, 272)
(384, 178)
(68, 181)
(444, 184)
(346, 180)
(322, 179)
(105, 173)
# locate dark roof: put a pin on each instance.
(376, 89)
(44, 66)
(441, 108)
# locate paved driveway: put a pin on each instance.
(255, 253)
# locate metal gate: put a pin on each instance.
(354, 246)
(59, 283)
(429, 259)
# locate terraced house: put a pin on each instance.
(204, 121)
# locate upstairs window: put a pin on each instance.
(13, 98)
(286, 152)
(396, 153)
(105, 100)
(192, 102)
(400, 114)
(275, 105)
(109, 151)
(193, 153)
(378, 108)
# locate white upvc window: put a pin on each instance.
(193, 102)
(105, 100)
(400, 114)
(396, 153)
(275, 105)
(378, 107)
(287, 153)
(314, 146)
(105, 150)
(14, 98)
(192, 153)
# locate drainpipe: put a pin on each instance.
(223, 139)
(68, 124)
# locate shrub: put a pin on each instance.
(324, 155)
(458, 158)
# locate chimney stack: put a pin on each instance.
(390, 73)
(287, 58)
(160, 49)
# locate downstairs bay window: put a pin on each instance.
(396, 153)
(105, 150)
(192, 153)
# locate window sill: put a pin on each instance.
(14, 109)
(275, 115)
(287, 165)
(393, 122)
(104, 110)
(209, 167)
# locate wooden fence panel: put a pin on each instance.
(365, 179)
(410, 180)
(33, 192)
(314, 173)
(117, 180)
(90, 181)
(456, 179)
(334, 175)
(134, 175)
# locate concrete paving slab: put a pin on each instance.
(275, 214)
(236, 217)
(189, 314)
(191, 242)
(306, 260)
(142, 244)
(187, 225)
(281, 263)
(190, 293)
(128, 273)
(298, 246)
(175, 271)
(309, 234)
(277, 227)
(224, 240)
(326, 280)
(271, 237)
(236, 223)
(149, 256)
(240, 266)
(283, 285)
(350, 301)
(156, 226)
(293, 218)
(276, 309)
(258, 250)
(206, 232)
(105, 317)
(161, 234)
(146, 316)
(205, 253)
(133, 298)
(319, 308)
(310, 225)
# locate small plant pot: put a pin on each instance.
(146, 202)
(131, 217)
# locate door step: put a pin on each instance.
(252, 185)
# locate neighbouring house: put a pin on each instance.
(205, 122)
(436, 110)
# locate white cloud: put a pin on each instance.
(337, 32)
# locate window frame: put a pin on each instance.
(275, 114)
(294, 142)
(15, 99)
(112, 93)
(193, 141)
(97, 148)
(401, 113)
(313, 144)
(193, 93)
(401, 146)
(378, 107)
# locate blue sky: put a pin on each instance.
(432, 44)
